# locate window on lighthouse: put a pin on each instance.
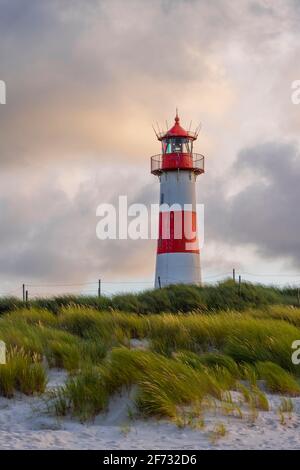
(176, 145)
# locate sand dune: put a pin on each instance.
(25, 424)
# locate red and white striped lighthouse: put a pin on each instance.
(178, 254)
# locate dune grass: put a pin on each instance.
(23, 373)
(83, 395)
(286, 406)
(277, 379)
(39, 332)
(162, 385)
(226, 295)
(193, 358)
(215, 360)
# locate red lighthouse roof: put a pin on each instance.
(177, 131)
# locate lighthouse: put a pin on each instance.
(177, 167)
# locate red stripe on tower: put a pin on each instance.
(177, 232)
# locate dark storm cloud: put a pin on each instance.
(265, 214)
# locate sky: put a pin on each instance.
(85, 81)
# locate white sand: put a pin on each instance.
(25, 424)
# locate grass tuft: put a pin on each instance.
(22, 373)
(277, 379)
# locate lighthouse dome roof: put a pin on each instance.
(177, 131)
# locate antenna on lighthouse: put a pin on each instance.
(160, 132)
(198, 129)
(155, 132)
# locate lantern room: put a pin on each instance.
(177, 151)
(177, 139)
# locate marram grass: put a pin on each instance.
(194, 358)
(278, 380)
(225, 295)
(22, 373)
(164, 384)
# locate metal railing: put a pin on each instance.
(191, 161)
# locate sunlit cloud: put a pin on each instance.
(86, 81)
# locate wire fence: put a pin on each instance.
(102, 287)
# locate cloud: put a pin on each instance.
(52, 237)
(88, 78)
(46, 235)
(263, 214)
(85, 80)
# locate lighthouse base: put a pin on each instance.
(177, 268)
